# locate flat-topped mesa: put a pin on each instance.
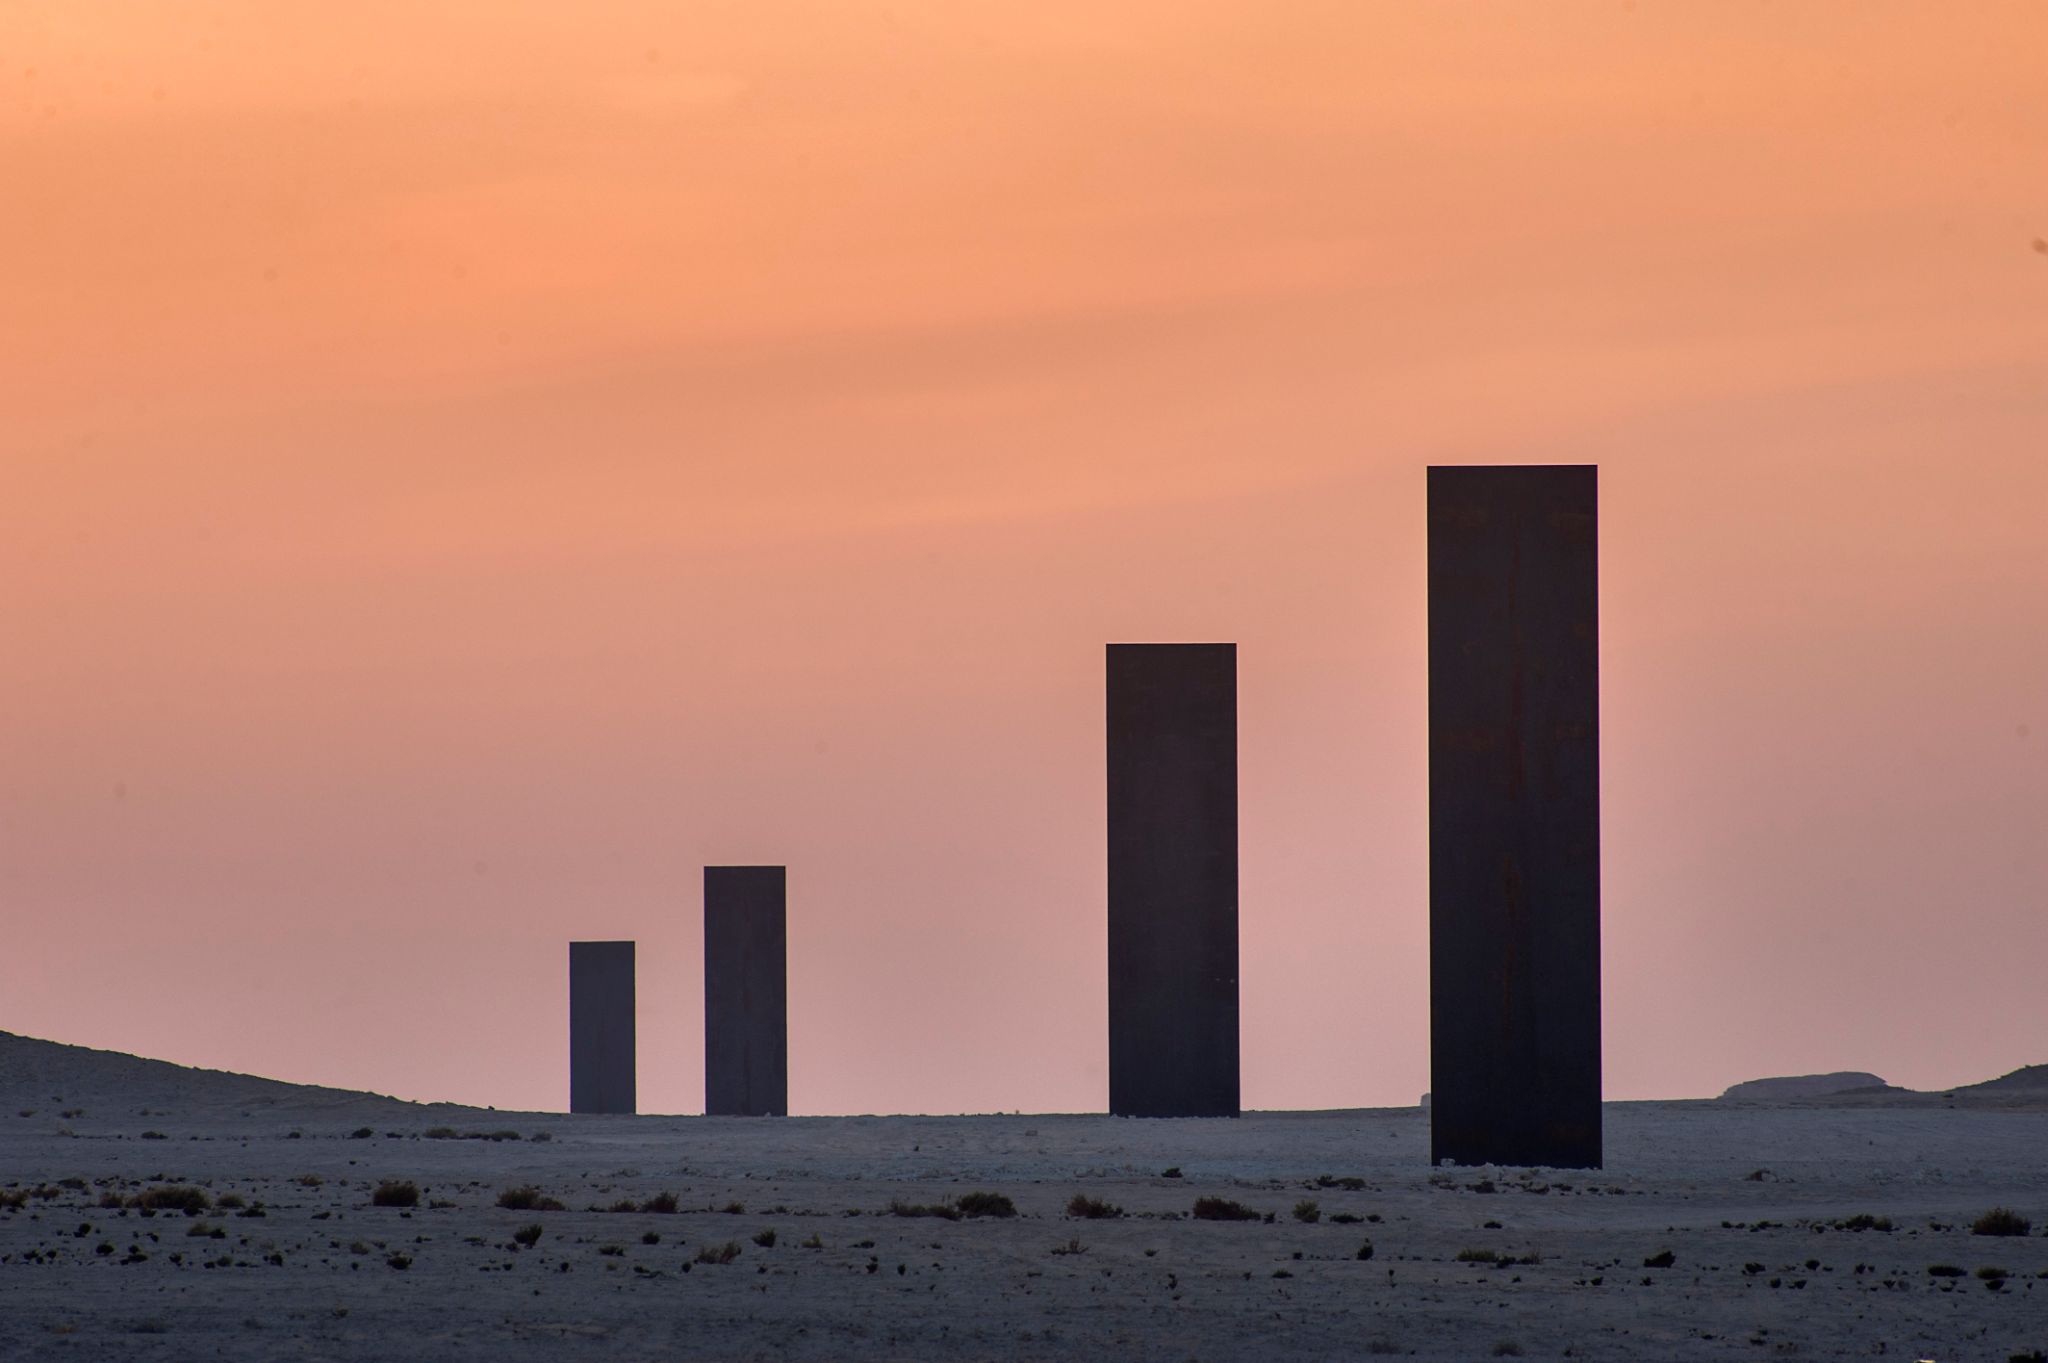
(1792, 1088)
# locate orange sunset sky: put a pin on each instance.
(465, 466)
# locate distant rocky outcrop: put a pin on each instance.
(1800, 1087)
(2023, 1090)
(2026, 1081)
(93, 1093)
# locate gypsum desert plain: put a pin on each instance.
(1831, 1228)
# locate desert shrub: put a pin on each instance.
(1991, 1274)
(652, 1237)
(723, 1254)
(1307, 1212)
(1174, 1172)
(734, 1209)
(1222, 1209)
(230, 1202)
(814, 1242)
(1663, 1258)
(442, 1133)
(945, 1211)
(396, 1193)
(1865, 1221)
(1944, 1271)
(765, 1239)
(528, 1236)
(1092, 1208)
(661, 1204)
(624, 1205)
(1364, 1251)
(614, 1251)
(506, 1135)
(14, 1199)
(1507, 1348)
(541, 1137)
(361, 1133)
(154, 1136)
(172, 1197)
(400, 1261)
(1345, 1218)
(2001, 1221)
(1514, 1260)
(528, 1198)
(1349, 1184)
(1478, 1256)
(985, 1204)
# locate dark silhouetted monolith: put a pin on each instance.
(1514, 815)
(1172, 718)
(601, 1061)
(746, 995)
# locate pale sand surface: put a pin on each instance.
(1143, 1287)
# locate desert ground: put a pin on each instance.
(1717, 1230)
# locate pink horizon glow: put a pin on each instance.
(466, 468)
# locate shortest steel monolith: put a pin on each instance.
(601, 1059)
(746, 996)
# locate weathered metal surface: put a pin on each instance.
(601, 1049)
(1514, 815)
(746, 993)
(1173, 1030)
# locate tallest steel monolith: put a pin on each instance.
(1172, 720)
(1514, 815)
